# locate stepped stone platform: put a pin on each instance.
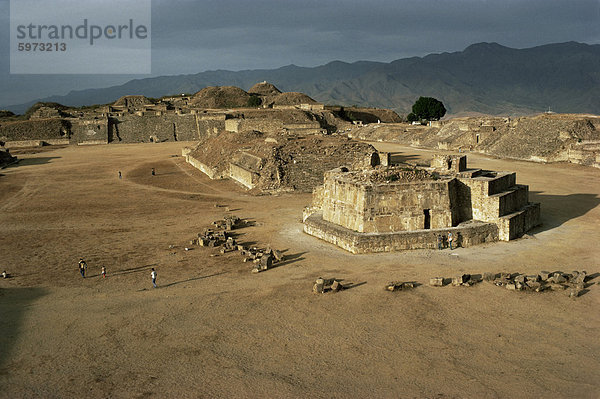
(408, 207)
(466, 235)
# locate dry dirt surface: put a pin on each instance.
(212, 329)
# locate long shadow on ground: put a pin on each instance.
(558, 209)
(191, 279)
(33, 161)
(13, 306)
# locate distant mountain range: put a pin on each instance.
(484, 78)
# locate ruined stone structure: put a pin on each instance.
(544, 138)
(407, 207)
(277, 162)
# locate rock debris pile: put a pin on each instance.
(323, 285)
(400, 286)
(220, 236)
(555, 281)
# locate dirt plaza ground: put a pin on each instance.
(213, 329)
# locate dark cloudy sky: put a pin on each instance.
(190, 36)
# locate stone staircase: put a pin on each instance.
(496, 198)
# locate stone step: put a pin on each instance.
(511, 200)
(515, 224)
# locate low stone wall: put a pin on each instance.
(38, 129)
(89, 131)
(466, 235)
(207, 170)
(35, 143)
(92, 142)
(24, 143)
(243, 176)
(516, 224)
(167, 127)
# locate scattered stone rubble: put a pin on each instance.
(228, 223)
(323, 285)
(400, 286)
(263, 259)
(556, 281)
(465, 280)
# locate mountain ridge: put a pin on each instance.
(485, 77)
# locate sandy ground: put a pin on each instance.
(213, 329)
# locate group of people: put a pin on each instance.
(440, 240)
(83, 270)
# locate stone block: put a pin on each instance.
(544, 276)
(255, 270)
(541, 288)
(278, 255)
(574, 293)
(318, 288)
(520, 279)
(532, 278)
(336, 286)
(580, 278)
(266, 261)
(399, 286)
(328, 281)
(511, 286)
(459, 280)
(559, 278)
(505, 276)
(533, 284)
(436, 281)
(557, 287)
(489, 276)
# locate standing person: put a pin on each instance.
(82, 267)
(103, 272)
(153, 275)
(439, 241)
(153, 172)
(450, 238)
(120, 174)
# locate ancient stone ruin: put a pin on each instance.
(542, 281)
(410, 207)
(220, 237)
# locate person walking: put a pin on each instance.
(450, 239)
(103, 272)
(120, 176)
(82, 267)
(153, 275)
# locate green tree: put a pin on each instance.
(428, 108)
(412, 117)
(254, 101)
